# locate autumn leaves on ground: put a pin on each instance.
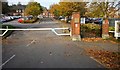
(106, 58)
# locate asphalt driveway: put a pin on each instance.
(44, 49)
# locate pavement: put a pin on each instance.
(44, 49)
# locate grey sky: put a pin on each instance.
(45, 3)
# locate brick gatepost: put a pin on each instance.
(105, 29)
(75, 26)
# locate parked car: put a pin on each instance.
(61, 18)
(2, 20)
(98, 21)
(16, 17)
(88, 20)
(27, 19)
(20, 20)
(40, 16)
(68, 20)
(8, 18)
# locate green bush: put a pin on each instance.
(30, 21)
(91, 29)
(111, 28)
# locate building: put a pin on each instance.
(17, 10)
(5, 8)
(45, 12)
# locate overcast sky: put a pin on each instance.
(45, 3)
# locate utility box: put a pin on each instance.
(75, 26)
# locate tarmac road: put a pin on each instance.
(44, 49)
(43, 24)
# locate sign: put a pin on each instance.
(76, 20)
(76, 25)
(117, 29)
(83, 20)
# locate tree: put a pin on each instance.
(55, 9)
(102, 9)
(66, 8)
(33, 8)
(5, 8)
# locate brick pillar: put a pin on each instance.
(75, 25)
(105, 29)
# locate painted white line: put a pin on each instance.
(29, 29)
(60, 34)
(4, 32)
(111, 31)
(53, 30)
(42, 29)
(31, 43)
(1, 35)
(7, 61)
(35, 29)
(63, 34)
(97, 61)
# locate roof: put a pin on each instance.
(15, 7)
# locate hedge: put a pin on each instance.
(91, 29)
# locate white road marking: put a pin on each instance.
(34, 29)
(97, 61)
(53, 30)
(31, 43)
(42, 29)
(7, 61)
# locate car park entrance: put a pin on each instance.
(77, 30)
(40, 29)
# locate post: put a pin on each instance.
(105, 25)
(75, 27)
(105, 29)
(117, 29)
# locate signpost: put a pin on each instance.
(117, 29)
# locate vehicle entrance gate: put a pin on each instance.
(41, 29)
(75, 31)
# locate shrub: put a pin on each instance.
(91, 29)
(30, 21)
(111, 28)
